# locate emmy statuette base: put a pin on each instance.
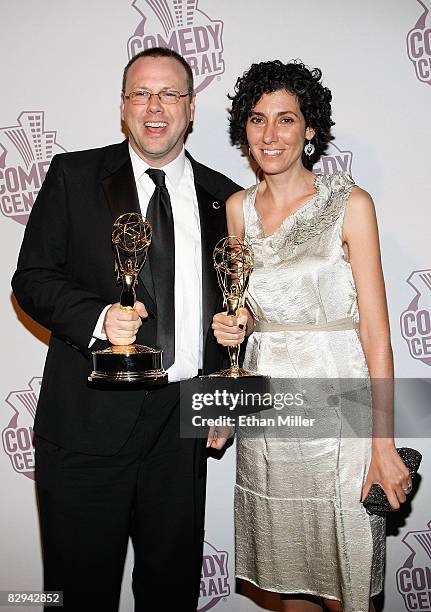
(133, 365)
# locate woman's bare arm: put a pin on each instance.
(360, 233)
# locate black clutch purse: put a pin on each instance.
(376, 501)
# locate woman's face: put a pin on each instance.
(276, 132)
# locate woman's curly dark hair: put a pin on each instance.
(266, 77)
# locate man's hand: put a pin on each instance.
(218, 436)
(228, 330)
(121, 326)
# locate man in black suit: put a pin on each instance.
(111, 464)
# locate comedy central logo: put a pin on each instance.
(334, 160)
(181, 26)
(419, 44)
(416, 319)
(214, 577)
(17, 436)
(26, 150)
(414, 577)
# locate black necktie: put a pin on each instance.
(162, 262)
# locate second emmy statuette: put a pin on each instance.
(233, 262)
(134, 363)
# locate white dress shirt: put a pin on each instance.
(188, 261)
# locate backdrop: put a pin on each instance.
(61, 72)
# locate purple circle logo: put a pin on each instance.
(419, 44)
(414, 577)
(26, 150)
(181, 26)
(17, 436)
(334, 160)
(416, 319)
(214, 577)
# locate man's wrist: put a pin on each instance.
(99, 329)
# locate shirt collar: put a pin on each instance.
(174, 170)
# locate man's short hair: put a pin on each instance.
(161, 52)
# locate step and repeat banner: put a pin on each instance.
(61, 75)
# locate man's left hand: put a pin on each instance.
(218, 436)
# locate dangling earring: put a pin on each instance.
(250, 154)
(309, 149)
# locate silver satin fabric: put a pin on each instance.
(299, 523)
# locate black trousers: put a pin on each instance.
(152, 490)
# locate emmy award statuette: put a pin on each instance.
(233, 262)
(131, 364)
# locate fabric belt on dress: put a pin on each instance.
(336, 325)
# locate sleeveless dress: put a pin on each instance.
(299, 523)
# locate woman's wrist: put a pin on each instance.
(383, 443)
(250, 324)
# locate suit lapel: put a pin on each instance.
(119, 188)
(213, 228)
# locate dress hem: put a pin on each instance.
(288, 592)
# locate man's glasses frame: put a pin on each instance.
(166, 96)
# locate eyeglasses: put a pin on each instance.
(167, 96)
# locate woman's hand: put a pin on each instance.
(230, 331)
(389, 471)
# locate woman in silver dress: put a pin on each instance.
(316, 310)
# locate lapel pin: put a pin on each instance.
(216, 205)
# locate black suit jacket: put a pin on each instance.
(65, 277)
